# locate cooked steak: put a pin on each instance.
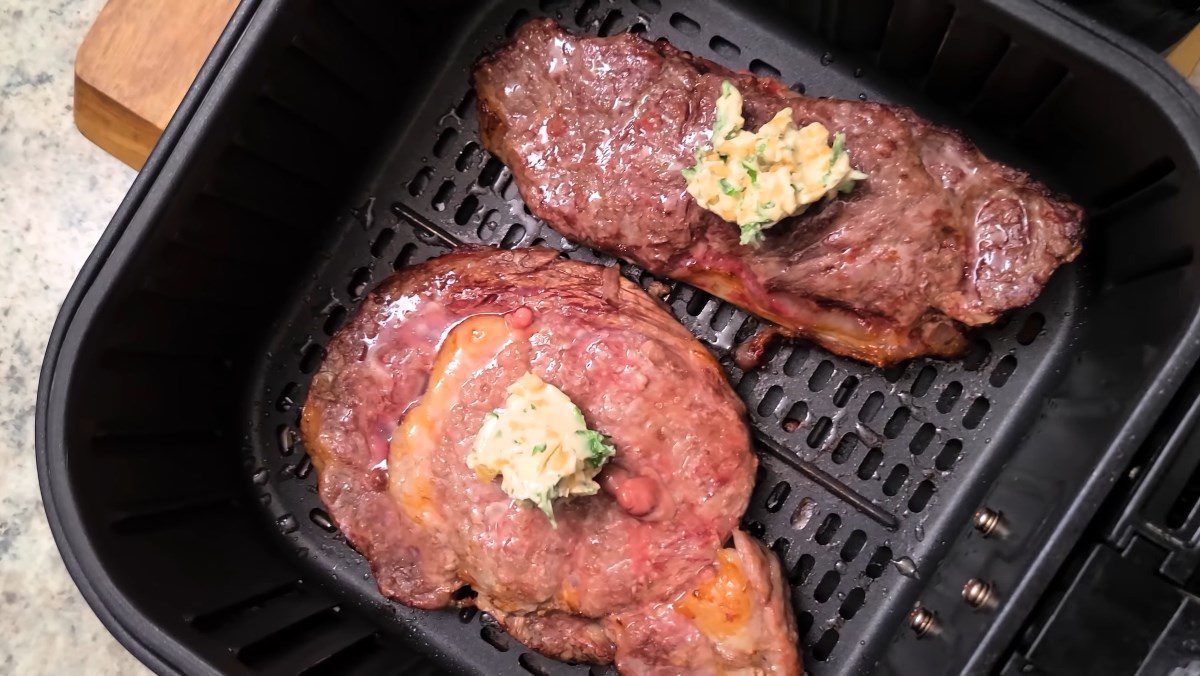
(597, 130)
(393, 412)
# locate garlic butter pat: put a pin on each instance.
(539, 445)
(756, 179)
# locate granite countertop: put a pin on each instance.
(57, 193)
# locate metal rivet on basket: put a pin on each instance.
(923, 621)
(988, 522)
(978, 594)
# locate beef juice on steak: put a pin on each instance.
(597, 130)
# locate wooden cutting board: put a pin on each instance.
(135, 65)
(140, 57)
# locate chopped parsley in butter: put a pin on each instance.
(756, 179)
(540, 445)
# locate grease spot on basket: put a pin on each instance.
(804, 513)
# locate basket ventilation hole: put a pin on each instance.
(845, 448)
(610, 22)
(467, 614)
(802, 569)
(796, 416)
(444, 140)
(820, 432)
(854, 545)
(821, 376)
(1003, 371)
(920, 497)
(287, 524)
(893, 374)
(827, 585)
(518, 18)
(949, 456)
(798, 87)
(513, 237)
(584, 15)
(311, 358)
(853, 603)
(304, 467)
(466, 210)
(286, 398)
(895, 480)
(487, 226)
(468, 157)
(466, 105)
(975, 413)
(895, 424)
(923, 381)
(870, 407)
(651, 6)
(778, 496)
(781, 546)
(870, 463)
(1031, 329)
(359, 281)
(949, 397)
(419, 182)
(745, 386)
(921, 439)
(495, 636)
(553, 5)
(829, 528)
(795, 360)
(844, 391)
(334, 319)
(382, 241)
(763, 69)
(287, 439)
(978, 355)
(724, 47)
(442, 198)
(804, 622)
(757, 529)
(319, 517)
(770, 401)
(823, 648)
(878, 563)
(490, 172)
(696, 303)
(804, 513)
(720, 318)
(405, 256)
(534, 664)
(684, 24)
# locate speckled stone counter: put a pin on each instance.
(57, 193)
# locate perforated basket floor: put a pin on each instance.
(865, 472)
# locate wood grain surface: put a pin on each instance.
(135, 65)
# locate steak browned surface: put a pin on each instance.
(597, 130)
(393, 412)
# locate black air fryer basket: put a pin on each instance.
(325, 144)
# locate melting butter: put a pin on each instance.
(540, 446)
(756, 179)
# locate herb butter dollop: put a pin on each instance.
(540, 445)
(756, 179)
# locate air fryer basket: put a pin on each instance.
(328, 142)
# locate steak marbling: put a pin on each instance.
(392, 414)
(597, 130)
